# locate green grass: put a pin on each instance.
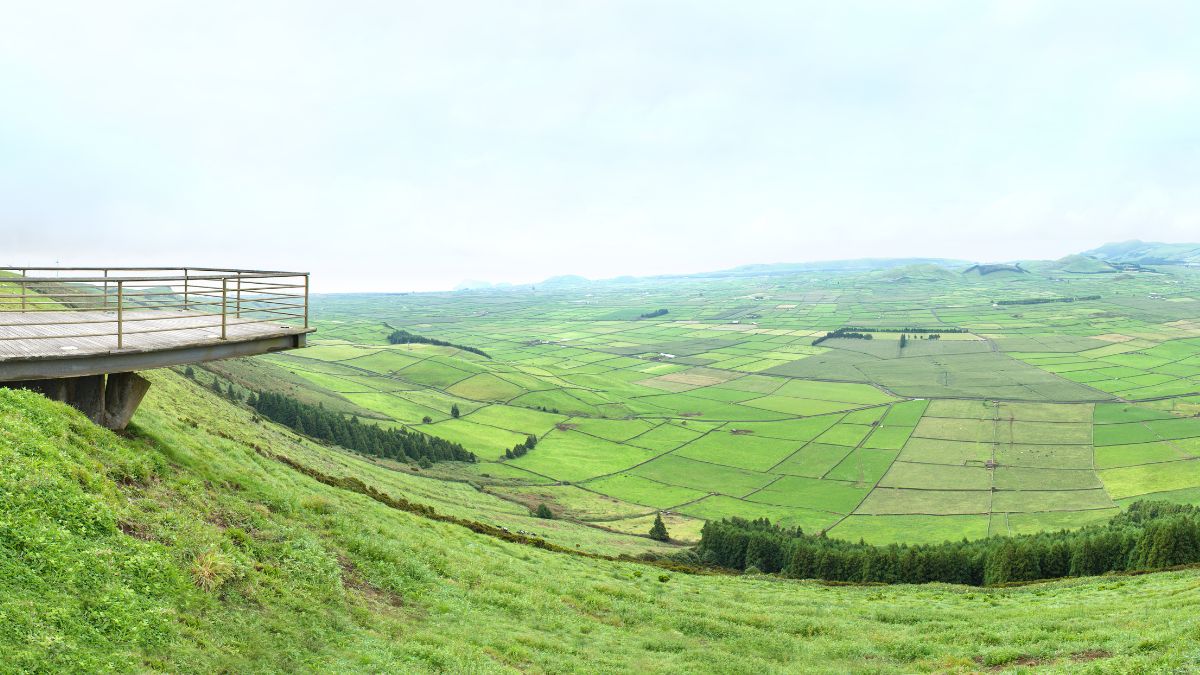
(813, 460)
(822, 495)
(744, 451)
(702, 476)
(892, 529)
(925, 501)
(641, 490)
(574, 456)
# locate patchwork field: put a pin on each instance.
(961, 415)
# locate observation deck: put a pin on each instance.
(61, 326)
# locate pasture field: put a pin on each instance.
(987, 418)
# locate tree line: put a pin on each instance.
(1041, 301)
(843, 333)
(403, 337)
(651, 315)
(1149, 535)
(520, 449)
(399, 444)
(909, 329)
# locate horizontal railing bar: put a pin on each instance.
(112, 319)
(148, 290)
(113, 333)
(168, 317)
(231, 270)
(128, 279)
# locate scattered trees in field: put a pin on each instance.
(1042, 301)
(399, 444)
(1149, 535)
(651, 315)
(907, 329)
(843, 333)
(658, 531)
(520, 449)
(403, 337)
(864, 333)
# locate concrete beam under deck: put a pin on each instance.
(70, 366)
(104, 385)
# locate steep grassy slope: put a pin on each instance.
(188, 546)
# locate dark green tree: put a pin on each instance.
(189, 373)
(544, 511)
(658, 531)
(454, 410)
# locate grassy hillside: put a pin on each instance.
(187, 545)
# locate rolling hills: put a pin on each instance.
(204, 541)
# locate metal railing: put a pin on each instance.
(94, 298)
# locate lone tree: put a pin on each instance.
(454, 410)
(543, 511)
(189, 373)
(659, 531)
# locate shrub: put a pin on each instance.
(211, 569)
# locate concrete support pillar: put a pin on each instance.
(110, 403)
(122, 395)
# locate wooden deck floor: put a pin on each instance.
(49, 336)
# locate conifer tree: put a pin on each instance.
(658, 531)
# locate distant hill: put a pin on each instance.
(472, 285)
(857, 265)
(1072, 264)
(565, 280)
(1107, 259)
(993, 270)
(918, 272)
(1147, 253)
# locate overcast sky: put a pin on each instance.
(412, 145)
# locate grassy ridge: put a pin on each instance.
(183, 548)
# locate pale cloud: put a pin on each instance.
(405, 145)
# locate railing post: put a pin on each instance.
(224, 304)
(23, 273)
(185, 289)
(120, 314)
(239, 296)
(104, 304)
(306, 301)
